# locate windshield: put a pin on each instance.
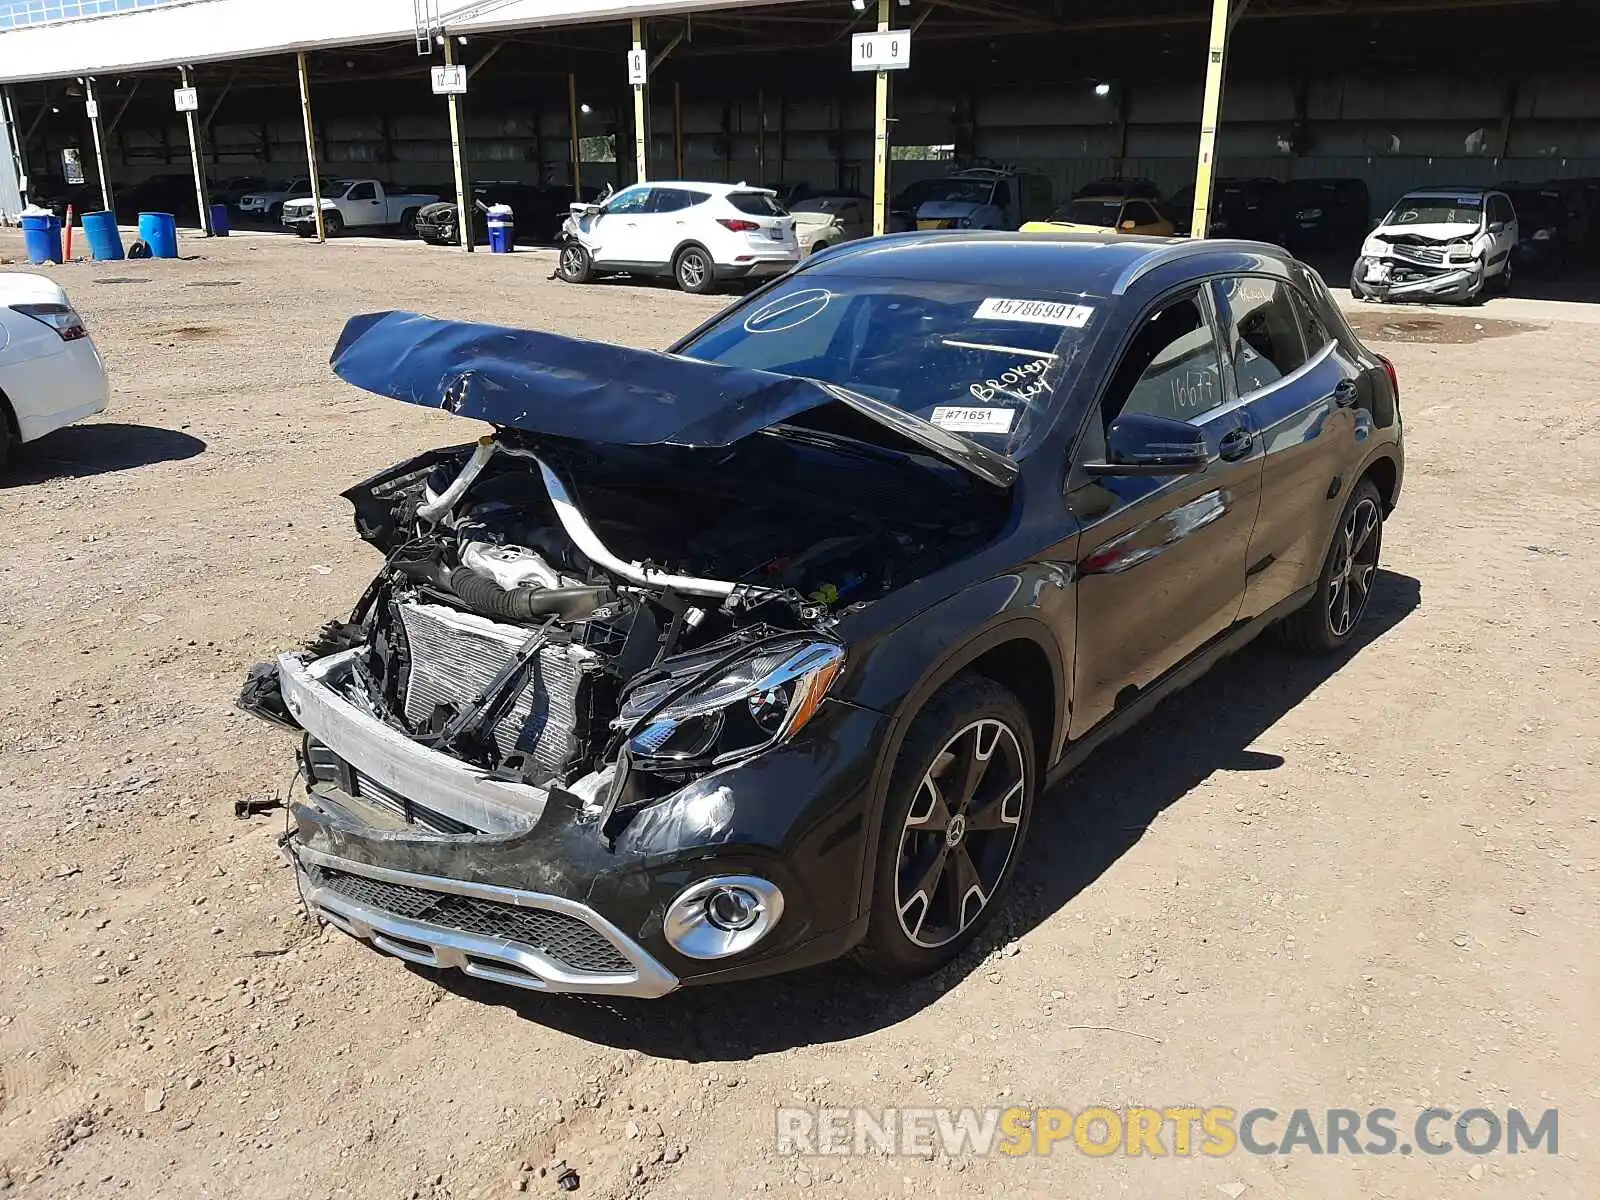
(966, 191)
(1437, 210)
(1101, 213)
(953, 354)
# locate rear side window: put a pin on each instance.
(1139, 213)
(1316, 333)
(1262, 329)
(757, 204)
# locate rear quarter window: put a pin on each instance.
(757, 204)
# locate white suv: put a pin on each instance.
(699, 233)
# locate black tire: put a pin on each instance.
(1357, 291)
(275, 213)
(574, 263)
(922, 916)
(5, 434)
(408, 223)
(306, 231)
(694, 271)
(332, 224)
(1329, 619)
(819, 247)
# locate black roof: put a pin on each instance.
(1038, 263)
(1436, 190)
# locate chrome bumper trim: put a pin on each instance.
(495, 959)
(443, 784)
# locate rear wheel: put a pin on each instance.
(953, 827)
(575, 264)
(5, 434)
(408, 222)
(693, 270)
(1344, 588)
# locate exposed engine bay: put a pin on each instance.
(545, 605)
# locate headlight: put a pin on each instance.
(1374, 248)
(749, 705)
(1460, 252)
(1543, 235)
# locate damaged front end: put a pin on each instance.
(582, 732)
(1396, 266)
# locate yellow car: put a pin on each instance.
(1105, 214)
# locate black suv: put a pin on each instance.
(719, 662)
(1325, 214)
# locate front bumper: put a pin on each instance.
(436, 234)
(1412, 282)
(534, 893)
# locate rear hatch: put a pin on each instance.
(764, 223)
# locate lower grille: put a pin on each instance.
(454, 656)
(563, 938)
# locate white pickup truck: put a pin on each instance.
(356, 204)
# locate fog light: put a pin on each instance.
(726, 915)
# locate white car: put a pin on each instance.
(50, 372)
(698, 233)
(976, 198)
(1439, 244)
(823, 221)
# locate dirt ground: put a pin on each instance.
(1347, 885)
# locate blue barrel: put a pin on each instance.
(41, 235)
(159, 231)
(502, 229)
(105, 242)
(219, 220)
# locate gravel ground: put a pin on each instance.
(1370, 883)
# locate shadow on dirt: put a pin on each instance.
(1078, 832)
(81, 450)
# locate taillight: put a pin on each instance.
(738, 226)
(63, 319)
(1394, 379)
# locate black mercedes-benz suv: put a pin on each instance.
(717, 662)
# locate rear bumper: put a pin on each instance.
(759, 268)
(66, 386)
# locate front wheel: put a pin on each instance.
(575, 264)
(953, 827)
(332, 224)
(1329, 618)
(693, 270)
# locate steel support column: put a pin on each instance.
(311, 146)
(1222, 23)
(880, 136)
(572, 129)
(463, 197)
(195, 159)
(99, 142)
(641, 136)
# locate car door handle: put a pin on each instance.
(1346, 394)
(1235, 444)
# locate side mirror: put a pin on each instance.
(1143, 444)
(1497, 226)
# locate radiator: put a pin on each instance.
(454, 655)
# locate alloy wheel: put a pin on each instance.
(1350, 583)
(692, 270)
(960, 833)
(571, 261)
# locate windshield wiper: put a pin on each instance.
(987, 465)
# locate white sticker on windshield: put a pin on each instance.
(973, 420)
(1034, 312)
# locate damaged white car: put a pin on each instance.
(1439, 244)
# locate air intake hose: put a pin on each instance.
(488, 599)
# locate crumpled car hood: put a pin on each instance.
(566, 387)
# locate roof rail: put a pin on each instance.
(1160, 256)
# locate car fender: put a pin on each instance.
(685, 244)
(968, 625)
